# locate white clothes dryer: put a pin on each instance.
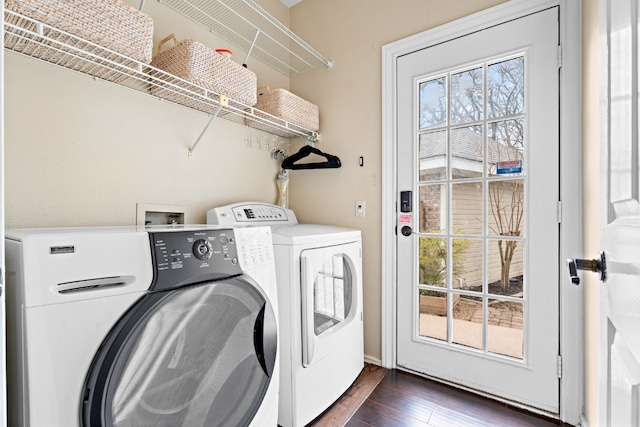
(319, 272)
(157, 326)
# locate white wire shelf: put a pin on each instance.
(251, 28)
(35, 39)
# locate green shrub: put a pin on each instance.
(433, 260)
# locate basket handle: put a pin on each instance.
(171, 36)
(263, 89)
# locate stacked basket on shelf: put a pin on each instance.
(196, 63)
(104, 25)
(289, 110)
(284, 104)
(115, 38)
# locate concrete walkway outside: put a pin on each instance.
(504, 334)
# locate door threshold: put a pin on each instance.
(506, 401)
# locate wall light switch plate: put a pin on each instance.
(360, 205)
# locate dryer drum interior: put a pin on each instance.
(200, 355)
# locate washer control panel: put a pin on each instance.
(190, 256)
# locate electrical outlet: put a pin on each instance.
(360, 208)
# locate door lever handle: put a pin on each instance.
(594, 265)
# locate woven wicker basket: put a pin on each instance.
(198, 64)
(108, 23)
(282, 103)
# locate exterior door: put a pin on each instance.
(620, 215)
(198, 355)
(478, 181)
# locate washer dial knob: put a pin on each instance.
(202, 249)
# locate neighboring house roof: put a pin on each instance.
(465, 144)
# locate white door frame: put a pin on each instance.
(3, 340)
(570, 209)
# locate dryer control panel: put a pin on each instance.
(183, 257)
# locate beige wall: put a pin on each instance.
(591, 165)
(352, 33)
(84, 152)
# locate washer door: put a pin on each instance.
(201, 355)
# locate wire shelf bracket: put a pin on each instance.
(206, 128)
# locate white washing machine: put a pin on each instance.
(129, 326)
(319, 271)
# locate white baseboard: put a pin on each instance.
(372, 361)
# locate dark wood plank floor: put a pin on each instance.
(381, 398)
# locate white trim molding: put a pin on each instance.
(571, 240)
(583, 421)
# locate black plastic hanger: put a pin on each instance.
(306, 150)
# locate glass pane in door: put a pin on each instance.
(506, 210)
(466, 208)
(433, 261)
(505, 272)
(467, 330)
(467, 152)
(467, 96)
(505, 147)
(504, 334)
(506, 88)
(433, 155)
(433, 103)
(468, 264)
(432, 208)
(433, 314)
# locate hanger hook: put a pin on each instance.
(313, 138)
(277, 153)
